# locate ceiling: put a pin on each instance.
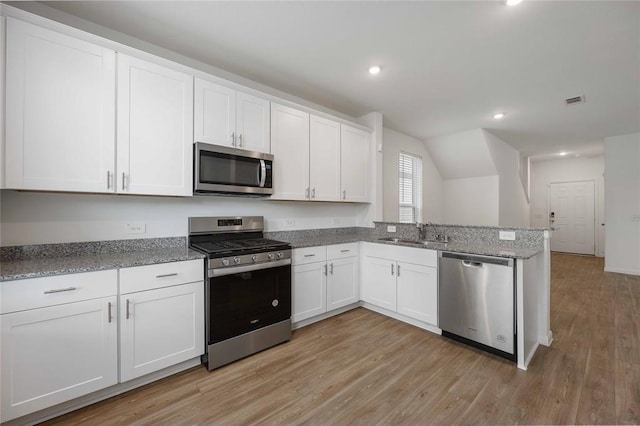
(448, 66)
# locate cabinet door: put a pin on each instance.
(379, 282)
(60, 111)
(418, 292)
(253, 123)
(308, 287)
(342, 283)
(214, 114)
(160, 328)
(324, 164)
(155, 129)
(290, 148)
(354, 167)
(58, 353)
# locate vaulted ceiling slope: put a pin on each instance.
(447, 66)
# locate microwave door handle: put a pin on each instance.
(262, 174)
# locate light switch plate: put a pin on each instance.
(391, 228)
(508, 235)
(289, 223)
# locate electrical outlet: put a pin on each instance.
(289, 223)
(335, 221)
(636, 217)
(135, 228)
(508, 235)
(391, 228)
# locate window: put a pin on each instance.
(410, 174)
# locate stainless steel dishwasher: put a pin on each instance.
(476, 301)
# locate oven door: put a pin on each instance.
(228, 170)
(245, 298)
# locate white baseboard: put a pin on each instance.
(403, 318)
(317, 318)
(546, 340)
(622, 270)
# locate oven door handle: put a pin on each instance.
(248, 268)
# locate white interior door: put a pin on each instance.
(572, 217)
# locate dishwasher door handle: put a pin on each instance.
(470, 264)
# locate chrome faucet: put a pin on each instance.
(422, 232)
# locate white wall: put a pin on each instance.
(471, 201)
(544, 172)
(394, 142)
(462, 155)
(40, 218)
(513, 205)
(622, 207)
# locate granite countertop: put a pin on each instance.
(48, 266)
(460, 247)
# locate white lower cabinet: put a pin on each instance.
(309, 286)
(324, 278)
(56, 346)
(161, 316)
(408, 287)
(59, 335)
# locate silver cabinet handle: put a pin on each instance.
(173, 274)
(345, 251)
(109, 311)
(392, 269)
(331, 268)
(309, 255)
(240, 140)
(127, 317)
(324, 269)
(306, 193)
(59, 290)
(398, 274)
(123, 177)
(233, 138)
(344, 194)
(313, 193)
(108, 179)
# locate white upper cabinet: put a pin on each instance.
(324, 164)
(60, 111)
(226, 117)
(354, 168)
(155, 129)
(290, 148)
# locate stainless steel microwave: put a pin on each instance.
(230, 171)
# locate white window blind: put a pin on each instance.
(410, 173)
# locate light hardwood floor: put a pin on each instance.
(361, 367)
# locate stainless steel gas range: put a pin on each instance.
(248, 292)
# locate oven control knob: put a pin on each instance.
(254, 257)
(225, 262)
(236, 260)
(279, 255)
(270, 256)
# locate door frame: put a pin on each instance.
(596, 218)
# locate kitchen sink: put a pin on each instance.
(399, 240)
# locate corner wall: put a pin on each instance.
(622, 207)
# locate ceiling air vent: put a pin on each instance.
(574, 100)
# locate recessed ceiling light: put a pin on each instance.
(499, 115)
(375, 69)
(562, 154)
(512, 2)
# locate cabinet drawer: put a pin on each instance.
(339, 251)
(309, 255)
(149, 277)
(34, 293)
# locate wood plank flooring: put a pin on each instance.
(361, 367)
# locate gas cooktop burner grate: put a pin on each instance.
(232, 246)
